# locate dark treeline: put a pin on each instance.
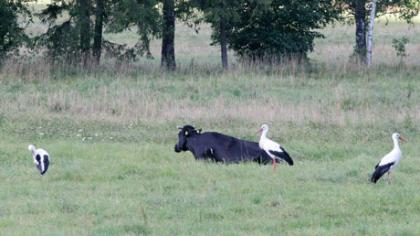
(256, 30)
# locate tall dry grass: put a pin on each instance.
(328, 90)
(286, 94)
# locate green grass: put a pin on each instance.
(115, 173)
(130, 189)
(111, 134)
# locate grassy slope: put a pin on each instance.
(114, 171)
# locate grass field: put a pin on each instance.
(114, 171)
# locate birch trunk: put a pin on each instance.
(370, 33)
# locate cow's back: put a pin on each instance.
(231, 149)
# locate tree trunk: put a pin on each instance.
(97, 37)
(168, 35)
(360, 18)
(223, 43)
(84, 24)
(370, 33)
(3, 49)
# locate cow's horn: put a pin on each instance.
(179, 127)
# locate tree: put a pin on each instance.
(360, 9)
(277, 29)
(360, 19)
(71, 30)
(11, 32)
(370, 33)
(223, 42)
(399, 45)
(168, 35)
(220, 14)
(97, 36)
(142, 14)
(68, 37)
(84, 8)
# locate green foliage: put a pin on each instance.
(11, 30)
(399, 45)
(62, 39)
(144, 15)
(186, 11)
(69, 35)
(61, 42)
(215, 10)
(278, 29)
(267, 30)
(404, 9)
(357, 11)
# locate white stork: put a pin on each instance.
(41, 158)
(273, 149)
(389, 161)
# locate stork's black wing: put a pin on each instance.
(380, 171)
(283, 155)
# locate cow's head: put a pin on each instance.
(184, 133)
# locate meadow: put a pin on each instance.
(111, 134)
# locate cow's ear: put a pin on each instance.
(199, 131)
(186, 133)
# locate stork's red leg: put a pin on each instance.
(389, 177)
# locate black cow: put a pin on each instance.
(219, 147)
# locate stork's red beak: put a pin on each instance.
(259, 131)
(403, 139)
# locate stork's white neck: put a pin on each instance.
(396, 143)
(32, 149)
(264, 134)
